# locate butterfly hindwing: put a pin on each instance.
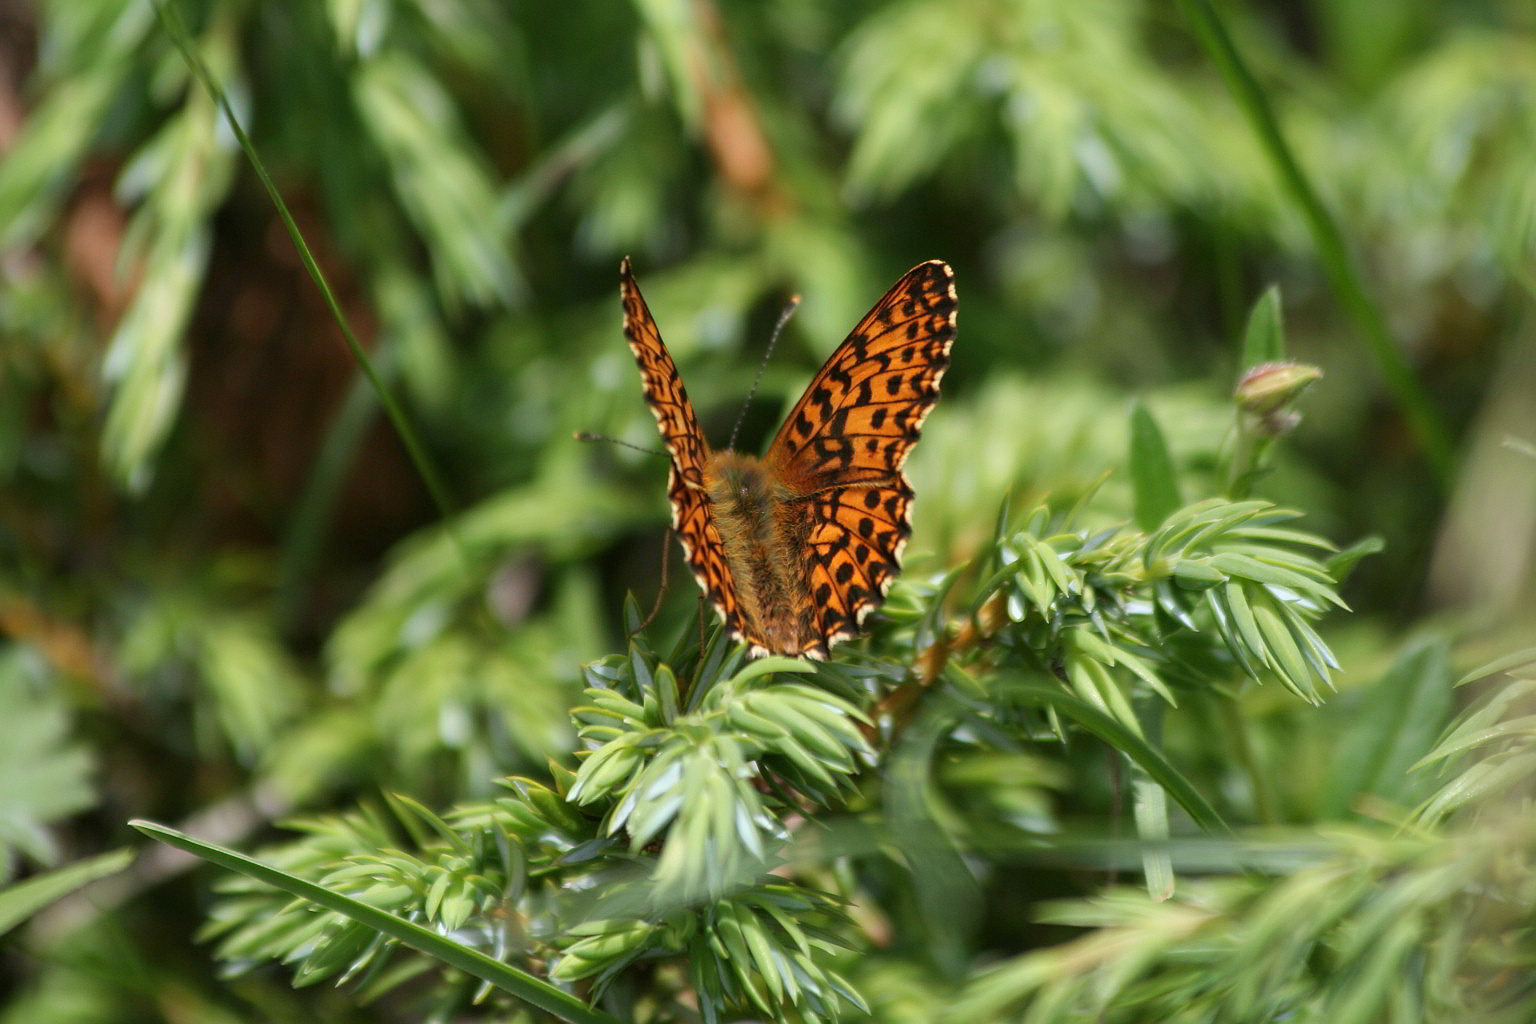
(688, 450)
(856, 541)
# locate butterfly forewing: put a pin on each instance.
(689, 452)
(846, 440)
(862, 412)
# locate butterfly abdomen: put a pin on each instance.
(763, 528)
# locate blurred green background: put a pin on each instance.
(227, 593)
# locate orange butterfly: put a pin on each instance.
(796, 548)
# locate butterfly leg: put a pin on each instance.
(661, 591)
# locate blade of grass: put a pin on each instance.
(171, 19)
(1428, 427)
(476, 964)
(1117, 735)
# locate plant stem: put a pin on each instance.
(1265, 806)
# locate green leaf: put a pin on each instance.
(771, 664)
(667, 693)
(1153, 479)
(1264, 338)
(1246, 639)
(476, 964)
(1377, 973)
(1283, 655)
(1062, 577)
(22, 900)
(1480, 782)
(1193, 574)
(607, 769)
(1464, 739)
(1100, 649)
(1150, 811)
(1519, 659)
(605, 944)
(1247, 567)
(1388, 728)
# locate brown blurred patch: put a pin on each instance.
(269, 374)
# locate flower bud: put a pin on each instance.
(1267, 390)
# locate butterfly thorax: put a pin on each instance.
(762, 524)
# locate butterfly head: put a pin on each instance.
(740, 482)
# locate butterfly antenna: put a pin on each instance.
(586, 435)
(778, 329)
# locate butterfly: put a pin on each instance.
(795, 549)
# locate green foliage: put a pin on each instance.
(692, 773)
(695, 775)
(1094, 602)
(515, 877)
(46, 773)
(1358, 926)
(698, 772)
(1056, 782)
(1339, 939)
(1497, 732)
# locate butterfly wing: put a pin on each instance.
(688, 449)
(846, 440)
